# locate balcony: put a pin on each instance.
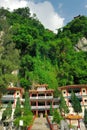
(39, 107)
(55, 106)
(41, 97)
(7, 98)
(42, 107)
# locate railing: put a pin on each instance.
(30, 127)
(38, 107)
(53, 126)
(42, 97)
(77, 94)
(43, 107)
(55, 106)
(49, 122)
(8, 96)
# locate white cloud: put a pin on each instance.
(13, 4)
(44, 11)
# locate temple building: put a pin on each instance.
(11, 95)
(80, 91)
(41, 99)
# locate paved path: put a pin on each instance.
(40, 124)
(82, 126)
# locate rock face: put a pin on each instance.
(81, 45)
(64, 125)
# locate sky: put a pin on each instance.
(53, 14)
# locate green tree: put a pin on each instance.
(27, 107)
(25, 114)
(75, 103)
(24, 83)
(23, 12)
(85, 117)
(63, 106)
(56, 116)
(4, 115)
(17, 112)
(57, 93)
(44, 72)
(51, 110)
(7, 112)
(27, 121)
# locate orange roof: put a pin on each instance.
(16, 89)
(73, 86)
(40, 85)
(73, 117)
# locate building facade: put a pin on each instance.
(41, 99)
(80, 91)
(11, 95)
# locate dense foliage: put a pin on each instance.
(23, 113)
(85, 116)
(7, 113)
(17, 112)
(75, 103)
(57, 117)
(37, 53)
(63, 106)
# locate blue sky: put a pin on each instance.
(68, 8)
(71, 8)
(53, 14)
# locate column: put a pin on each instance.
(37, 113)
(78, 123)
(45, 112)
(52, 104)
(67, 97)
(45, 107)
(45, 95)
(37, 96)
(37, 104)
(36, 108)
(52, 94)
(30, 95)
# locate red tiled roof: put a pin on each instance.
(73, 86)
(16, 89)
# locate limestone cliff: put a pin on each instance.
(81, 45)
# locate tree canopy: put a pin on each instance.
(75, 103)
(40, 55)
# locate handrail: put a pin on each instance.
(29, 128)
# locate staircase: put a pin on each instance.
(40, 124)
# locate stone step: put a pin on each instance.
(40, 124)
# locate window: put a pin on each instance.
(64, 92)
(17, 93)
(83, 91)
(85, 100)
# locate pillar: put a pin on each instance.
(37, 108)
(78, 123)
(45, 95)
(45, 108)
(37, 113)
(45, 112)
